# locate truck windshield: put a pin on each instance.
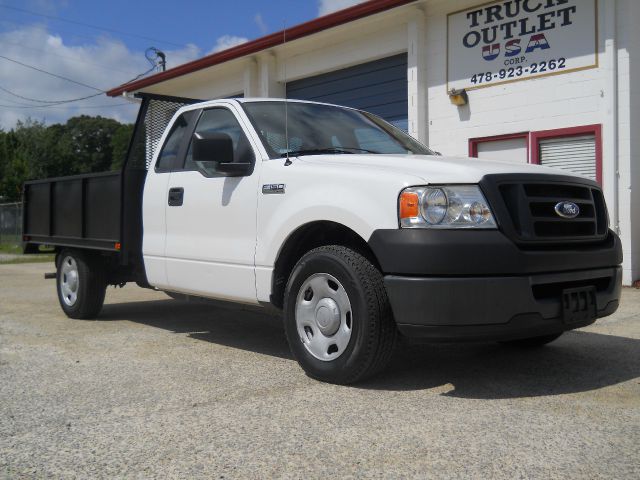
(320, 129)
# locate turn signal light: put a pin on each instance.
(409, 205)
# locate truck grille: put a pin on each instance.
(528, 214)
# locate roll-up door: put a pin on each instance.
(378, 87)
(576, 154)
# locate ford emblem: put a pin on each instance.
(567, 209)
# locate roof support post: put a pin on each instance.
(267, 71)
(251, 83)
(416, 75)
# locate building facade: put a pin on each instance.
(553, 82)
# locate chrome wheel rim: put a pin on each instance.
(69, 281)
(324, 317)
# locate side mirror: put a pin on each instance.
(235, 168)
(213, 152)
(212, 147)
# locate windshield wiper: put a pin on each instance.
(330, 150)
(357, 149)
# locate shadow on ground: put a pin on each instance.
(231, 326)
(577, 362)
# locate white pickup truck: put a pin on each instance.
(354, 230)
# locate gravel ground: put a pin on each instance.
(159, 388)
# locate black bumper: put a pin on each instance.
(463, 285)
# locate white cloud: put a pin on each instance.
(227, 41)
(262, 25)
(104, 63)
(329, 6)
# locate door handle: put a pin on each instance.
(176, 196)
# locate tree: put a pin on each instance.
(22, 157)
(83, 144)
(120, 145)
(88, 143)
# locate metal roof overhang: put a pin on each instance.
(304, 29)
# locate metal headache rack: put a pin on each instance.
(100, 211)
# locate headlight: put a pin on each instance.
(455, 206)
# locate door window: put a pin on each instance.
(220, 120)
(168, 158)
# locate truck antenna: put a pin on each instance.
(286, 107)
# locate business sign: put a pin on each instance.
(513, 40)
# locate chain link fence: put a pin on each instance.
(10, 223)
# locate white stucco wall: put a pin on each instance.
(570, 99)
(628, 63)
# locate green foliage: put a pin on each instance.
(84, 144)
(120, 145)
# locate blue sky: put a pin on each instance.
(198, 22)
(57, 36)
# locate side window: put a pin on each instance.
(171, 148)
(220, 120)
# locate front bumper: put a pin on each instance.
(495, 308)
(465, 285)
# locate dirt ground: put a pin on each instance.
(158, 388)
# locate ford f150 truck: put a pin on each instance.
(354, 230)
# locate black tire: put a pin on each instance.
(533, 342)
(91, 284)
(373, 330)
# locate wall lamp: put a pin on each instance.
(458, 97)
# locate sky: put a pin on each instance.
(97, 45)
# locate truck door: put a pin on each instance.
(211, 218)
(154, 201)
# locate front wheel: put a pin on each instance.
(337, 316)
(81, 284)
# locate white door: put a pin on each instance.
(154, 203)
(211, 220)
(508, 150)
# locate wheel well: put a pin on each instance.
(306, 238)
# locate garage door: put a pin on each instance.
(378, 87)
(576, 154)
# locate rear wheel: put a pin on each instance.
(337, 316)
(533, 342)
(81, 284)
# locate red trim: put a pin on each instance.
(304, 29)
(570, 132)
(473, 142)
